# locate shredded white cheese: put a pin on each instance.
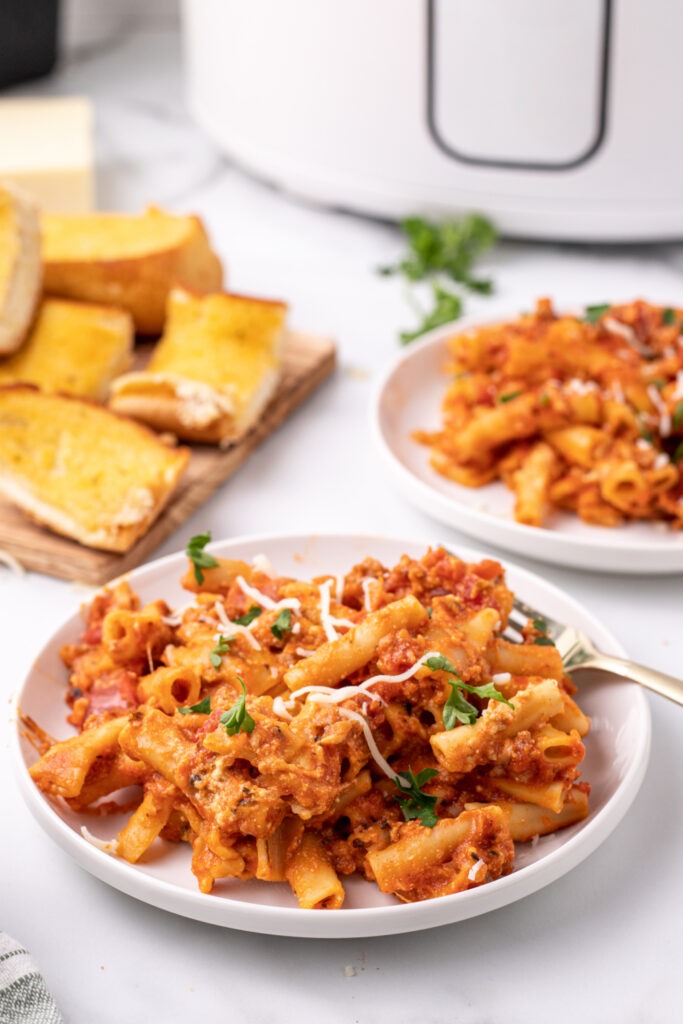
(339, 588)
(235, 627)
(677, 392)
(363, 687)
(664, 414)
(296, 629)
(175, 618)
(473, 873)
(501, 677)
(280, 708)
(262, 564)
(267, 602)
(374, 749)
(618, 392)
(304, 652)
(661, 461)
(325, 617)
(367, 583)
(643, 445)
(110, 846)
(627, 333)
(332, 695)
(576, 386)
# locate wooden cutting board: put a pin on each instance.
(308, 360)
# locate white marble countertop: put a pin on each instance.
(600, 945)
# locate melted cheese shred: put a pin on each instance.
(366, 584)
(325, 617)
(292, 603)
(662, 411)
(334, 695)
(280, 709)
(263, 564)
(235, 627)
(380, 761)
(626, 332)
(106, 846)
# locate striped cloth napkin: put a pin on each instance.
(24, 998)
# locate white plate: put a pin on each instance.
(616, 757)
(410, 398)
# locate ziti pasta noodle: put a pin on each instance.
(302, 731)
(582, 413)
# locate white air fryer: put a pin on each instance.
(560, 119)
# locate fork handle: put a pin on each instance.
(658, 682)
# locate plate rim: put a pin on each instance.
(353, 922)
(428, 496)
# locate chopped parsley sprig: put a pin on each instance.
(202, 708)
(238, 719)
(282, 624)
(446, 251)
(248, 617)
(593, 313)
(221, 648)
(451, 248)
(541, 626)
(447, 307)
(200, 558)
(415, 804)
(457, 708)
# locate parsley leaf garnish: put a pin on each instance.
(448, 250)
(541, 626)
(203, 708)
(510, 395)
(200, 558)
(439, 663)
(677, 416)
(282, 624)
(593, 313)
(668, 316)
(457, 708)
(448, 306)
(221, 648)
(414, 803)
(238, 719)
(253, 613)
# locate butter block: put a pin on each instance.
(47, 149)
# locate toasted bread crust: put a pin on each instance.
(75, 348)
(214, 370)
(121, 517)
(138, 282)
(20, 292)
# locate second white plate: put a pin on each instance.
(410, 398)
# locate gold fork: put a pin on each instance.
(578, 651)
